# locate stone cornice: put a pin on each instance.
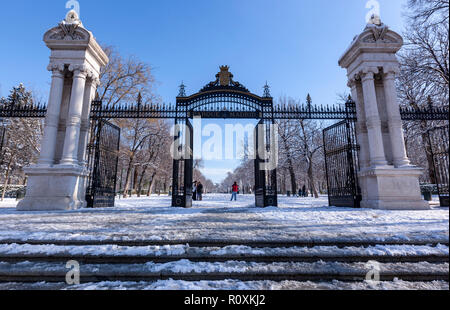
(75, 37)
(374, 39)
(65, 35)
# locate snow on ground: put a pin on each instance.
(297, 219)
(241, 251)
(238, 267)
(8, 203)
(233, 285)
(216, 218)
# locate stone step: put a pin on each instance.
(224, 243)
(232, 285)
(232, 270)
(113, 254)
(260, 286)
(245, 258)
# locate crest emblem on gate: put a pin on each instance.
(225, 76)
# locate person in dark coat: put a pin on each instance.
(199, 191)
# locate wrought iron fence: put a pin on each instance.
(213, 108)
(439, 141)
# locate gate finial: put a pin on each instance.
(182, 92)
(309, 100)
(267, 91)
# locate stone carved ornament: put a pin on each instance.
(69, 29)
(376, 31)
(379, 32)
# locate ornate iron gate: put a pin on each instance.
(223, 98)
(103, 160)
(440, 151)
(341, 161)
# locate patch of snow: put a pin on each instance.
(188, 267)
(153, 218)
(179, 250)
(232, 285)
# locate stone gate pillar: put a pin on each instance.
(387, 179)
(58, 181)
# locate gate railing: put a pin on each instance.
(168, 111)
(439, 141)
(103, 160)
(342, 162)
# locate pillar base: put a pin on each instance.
(54, 188)
(392, 189)
(395, 204)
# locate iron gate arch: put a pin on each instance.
(222, 98)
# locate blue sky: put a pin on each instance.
(293, 44)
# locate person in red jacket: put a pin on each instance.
(235, 190)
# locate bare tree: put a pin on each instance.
(300, 157)
(424, 78)
(311, 144)
(425, 11)
(21, 145)
(135, 135)
(123, 79)
(288, 132)
(425, 57)
(154, 156)
(130, 81)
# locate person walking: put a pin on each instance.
(199, 191)
(194, 191)
(304, 191)
(235, 191)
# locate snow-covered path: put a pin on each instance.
(298, 219)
